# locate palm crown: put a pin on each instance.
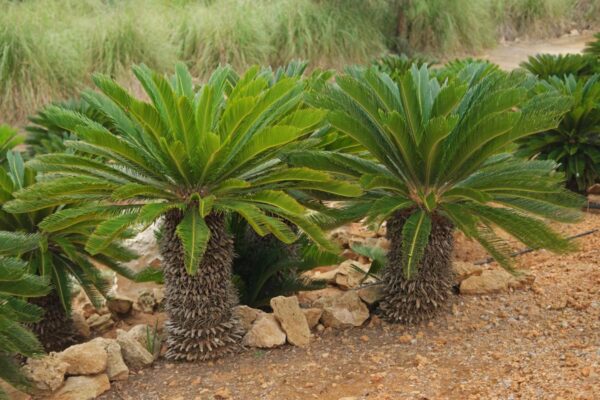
(212, 149)
(436, 150)
(575, 142)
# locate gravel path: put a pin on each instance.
(539, 343)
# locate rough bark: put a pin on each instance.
(418, 299)
(201, 325)
(55, 330)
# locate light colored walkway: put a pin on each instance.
(510, 54)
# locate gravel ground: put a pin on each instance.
(539, 343)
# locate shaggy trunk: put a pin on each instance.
(201, 325)
(418, 299)
(55, 330)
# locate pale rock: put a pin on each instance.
(312, 315)
(80, 324)
(265, 333)
(146, 245)
(325, 274)
(490, 281)
(13, 394)
(85, 359)
(116, 369)
(83, 388)
(119, 305)
(46, 373)
(371, 294)
(146, 301)
(291, 318)
(100, 323)
(463, 270)
(344, 311)
(307, 298)
(141, 333)
(350, 274)
(159, 295)
(495, 280)
(246, 315)
(135, 355)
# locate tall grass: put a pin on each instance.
(50, 48)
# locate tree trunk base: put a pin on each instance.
(201, 325)
(420, 298)
(55, 331)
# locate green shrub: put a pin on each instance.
(547, 65)
(60, 254)
(593, 47)
(16, 285)
(575, 142)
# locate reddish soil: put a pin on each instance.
(539, 343)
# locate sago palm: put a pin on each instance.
(593, 47)
(59, 256)
(437, 164)
(190, 156)
(547, 65)
(16, 285)
(575, 142)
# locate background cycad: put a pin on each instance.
(436, 164)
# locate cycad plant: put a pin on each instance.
(437, 164)
(190, 156)
(44, 135)
(547, 65)
(16, 285)
(60, 255)
(575, 142)
(593, 47)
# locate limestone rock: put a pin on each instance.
(134, 354)
(146, 301)
(464, 270)
(307, 298)
(46, 373)
(116, 369)
(247, 315)
(85, 359)
(312, 315)
(265, 333)
(119, 305)
(371, 294)
(142, 333)
(490, 281)
(344, 311)
(159, 296)
(83, 388)
(100, 323)
(80, 324)
(287, 311)
(348, 276)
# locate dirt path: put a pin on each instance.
(540, 343)
(510, 54)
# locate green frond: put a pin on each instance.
(415, 237)
(194, 235)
